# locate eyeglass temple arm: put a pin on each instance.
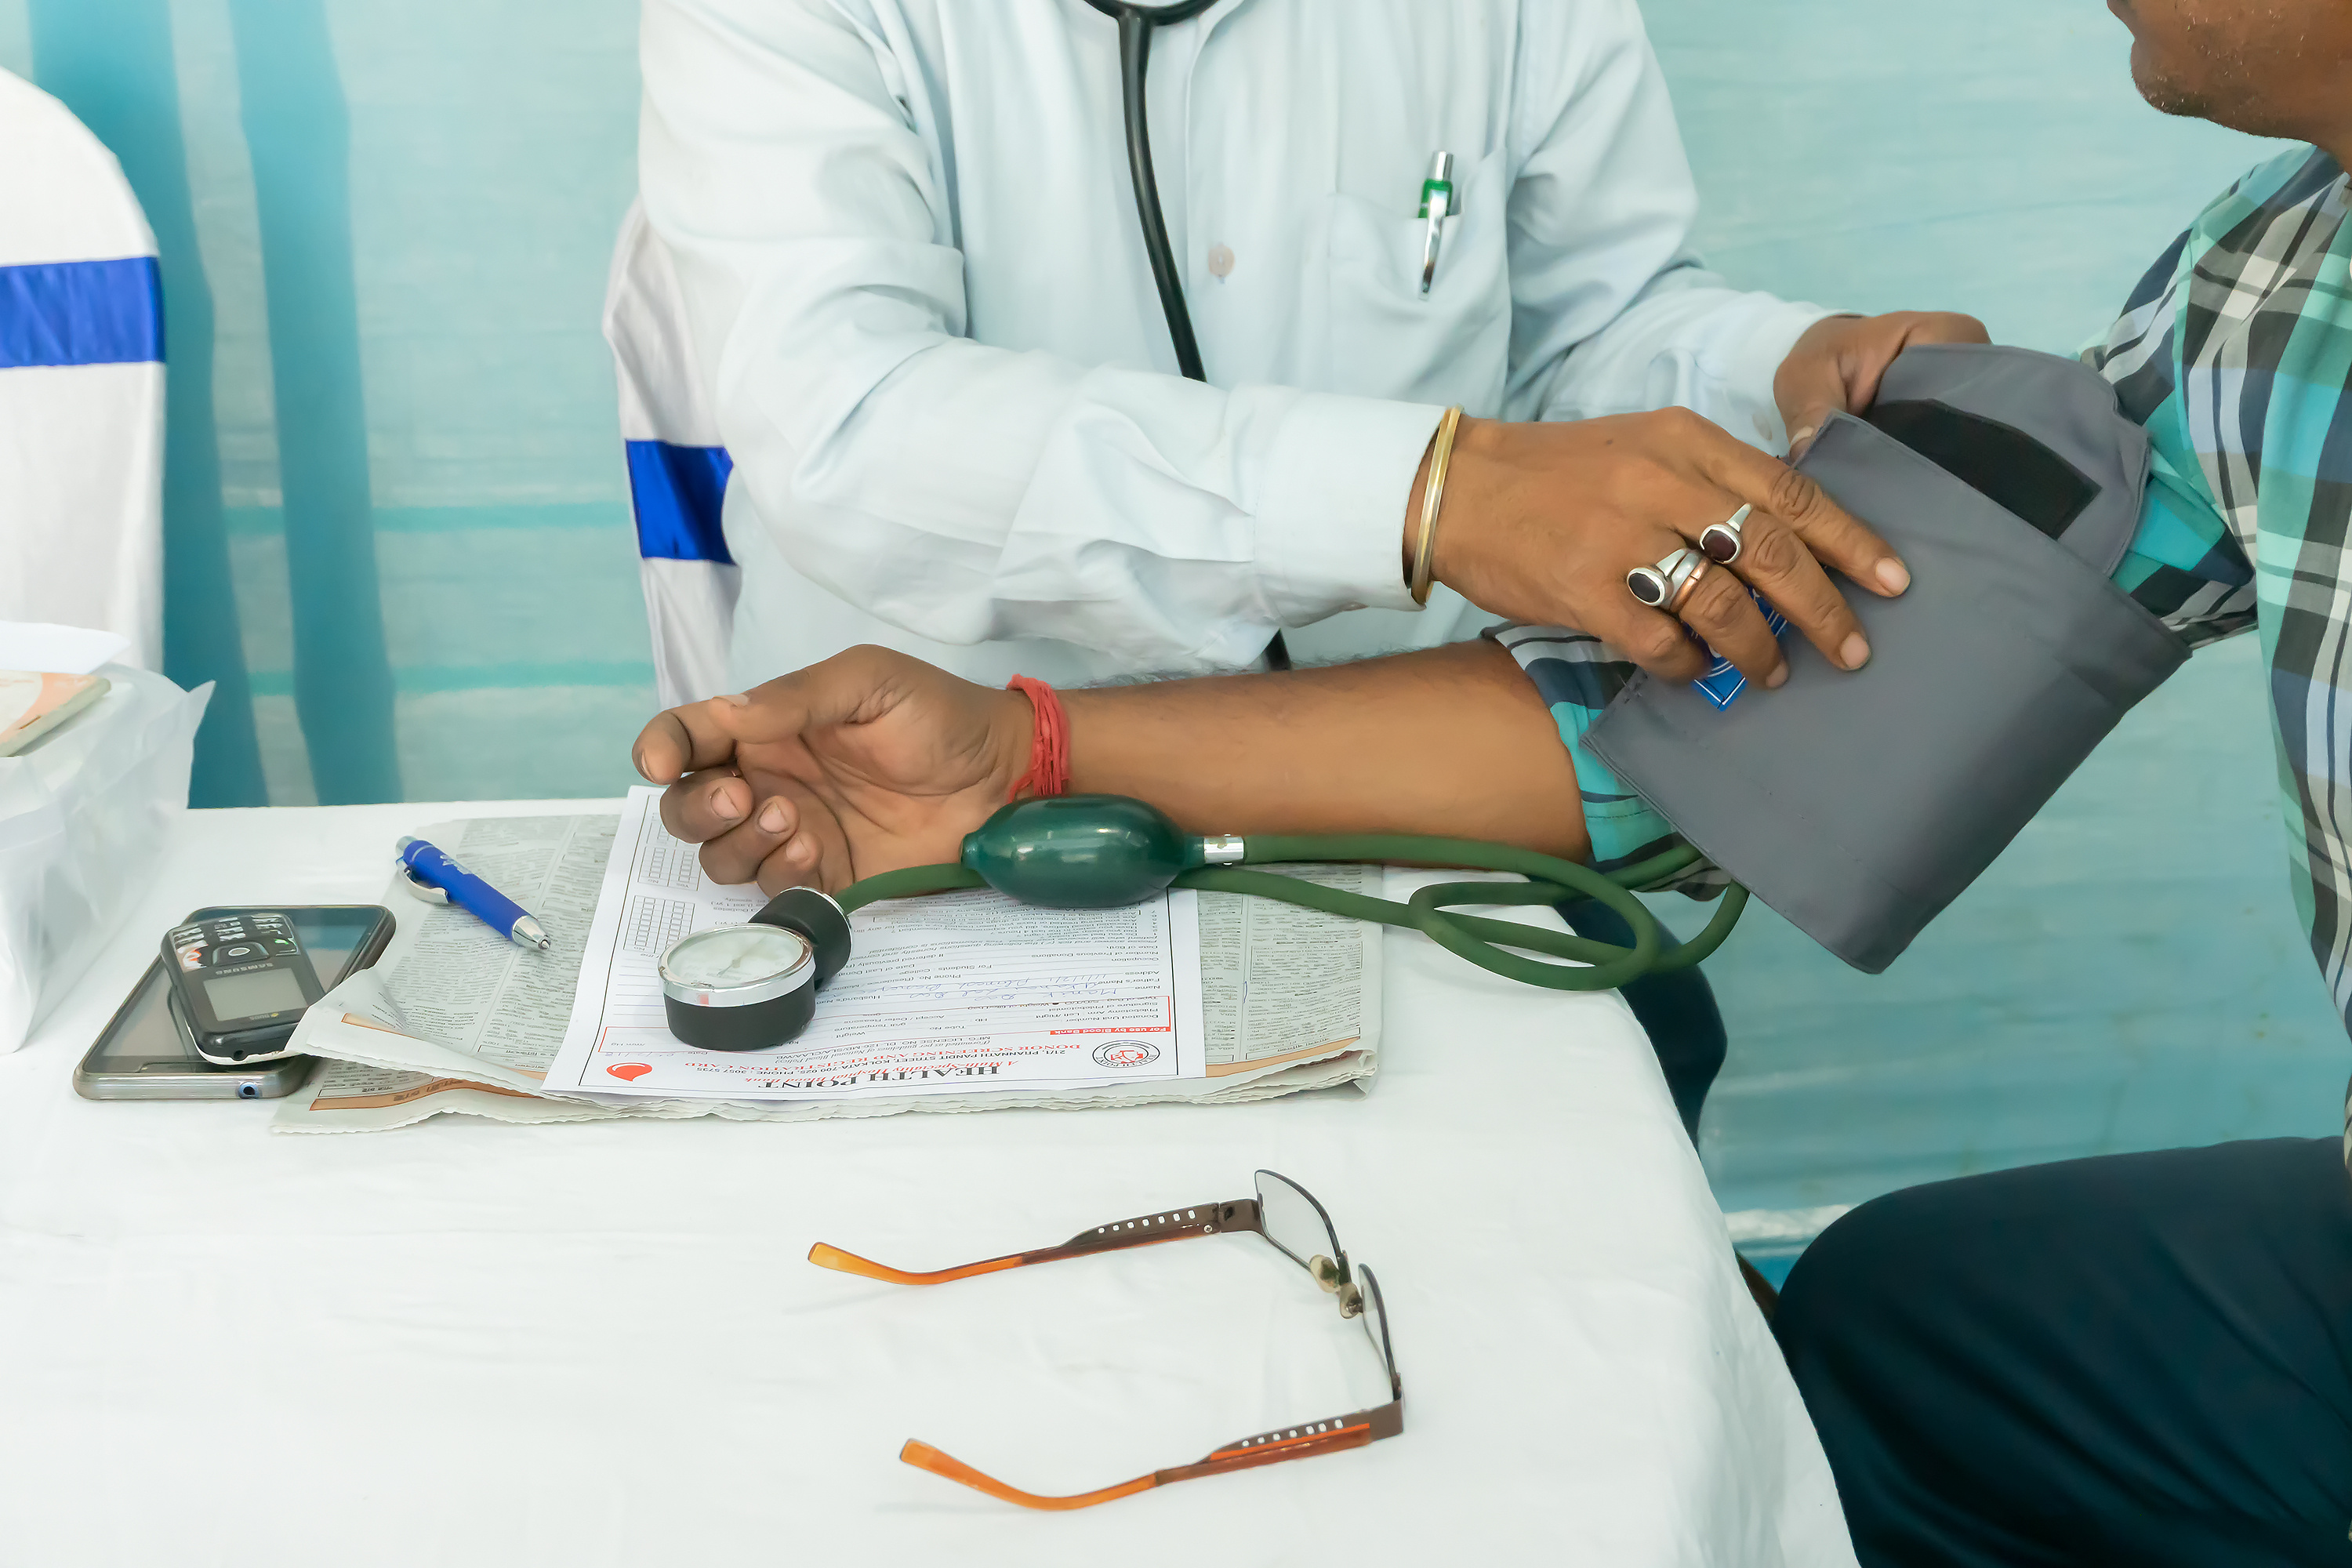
(1145, 1230)
(1341, 1431)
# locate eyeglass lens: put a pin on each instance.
(1375, 1319)
(1296, 1222)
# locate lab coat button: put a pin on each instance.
(1220, 261)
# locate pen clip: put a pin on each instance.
(416, 887)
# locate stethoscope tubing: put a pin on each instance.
(1135, 28)
(1135, 25)
(1595, 965)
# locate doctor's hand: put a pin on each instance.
(1835, 367)
(868, 761)
(1542, 521)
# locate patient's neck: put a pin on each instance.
(2327, 132)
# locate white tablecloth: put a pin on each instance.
(467, 1343)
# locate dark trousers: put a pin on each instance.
(1684, 1026)
(2137, 1360)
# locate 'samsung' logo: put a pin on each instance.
(1126, 1052)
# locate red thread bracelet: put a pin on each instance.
(1049, 750)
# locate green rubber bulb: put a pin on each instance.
(1077, 851)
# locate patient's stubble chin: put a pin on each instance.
(2205, 77)
(2168, 95)
(2244, 79)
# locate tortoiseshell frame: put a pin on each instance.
(1327, 1437)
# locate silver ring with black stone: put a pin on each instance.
(1658, 585)
(1722, 540)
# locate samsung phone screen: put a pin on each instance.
(147, 1033)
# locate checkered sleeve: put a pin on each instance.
(1578, 675)
(2184, 565)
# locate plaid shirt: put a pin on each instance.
(2235, 351)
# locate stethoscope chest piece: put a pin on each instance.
(747, 987)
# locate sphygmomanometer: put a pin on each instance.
(1857, 804)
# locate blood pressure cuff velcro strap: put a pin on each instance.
(1859, 805)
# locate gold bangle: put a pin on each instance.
(1424, 553)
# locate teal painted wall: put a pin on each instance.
(396, 512)
(399, 533)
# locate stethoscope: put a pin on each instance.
(1136, 23)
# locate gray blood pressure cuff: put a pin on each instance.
(1859, 805)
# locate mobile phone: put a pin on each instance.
(146, 1053)
(239, 984)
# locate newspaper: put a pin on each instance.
(966, 990)
(455, 1018)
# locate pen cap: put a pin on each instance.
(422, 854)
(1441, 198)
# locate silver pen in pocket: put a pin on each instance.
(1438, 202)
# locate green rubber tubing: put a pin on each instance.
(1597, 966)
(912, 882)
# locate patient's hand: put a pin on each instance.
(868, 761)
(1836, 366)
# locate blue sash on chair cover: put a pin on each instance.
(82, 383)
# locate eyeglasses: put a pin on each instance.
(1283, 1213)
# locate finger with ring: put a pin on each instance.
(1658, 584)
(1722, 540)
(1683, 593)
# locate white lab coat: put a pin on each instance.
(909, 254)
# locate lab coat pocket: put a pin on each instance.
(1389, 340)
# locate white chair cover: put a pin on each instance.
(678, 470)
(82, 383)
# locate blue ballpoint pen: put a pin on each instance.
(422, 863)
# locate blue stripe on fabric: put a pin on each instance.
(678, 492)
(81, 312)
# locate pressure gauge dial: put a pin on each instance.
(738, 987)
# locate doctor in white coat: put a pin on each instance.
(913, 263)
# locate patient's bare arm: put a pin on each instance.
(872, 760)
